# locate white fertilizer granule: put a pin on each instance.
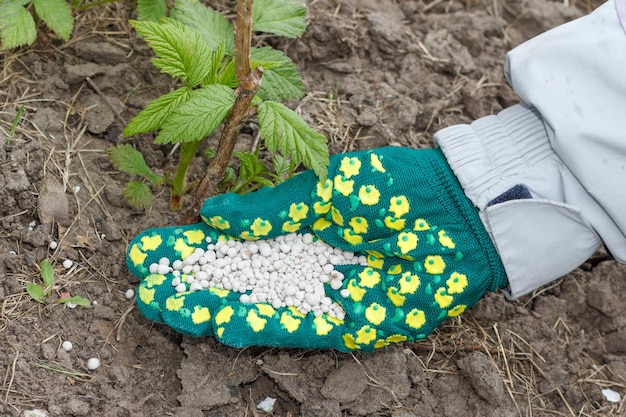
(287, 271)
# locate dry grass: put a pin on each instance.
(521, 367)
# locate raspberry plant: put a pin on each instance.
(19, 18)
(220, 76)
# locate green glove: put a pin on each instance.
(429, 257)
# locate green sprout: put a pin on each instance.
(40, 293)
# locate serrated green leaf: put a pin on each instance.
(252, 173)
(280, 17)
(152, 10)
(282, 167)
(47, 273)
(127, 159)
(214, 28)
(281, 80)
(137, 194)
(251, 167)
(78, 300)
(283, 130)
(216, 61)
(17, 26)
(200, 115)
(210, 153)
(35, 291)
(230, 176)
(58, 16)
(181, 51)
(152, 117)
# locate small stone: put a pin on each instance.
(52, 203)
(367, 119)
(484, 377)
(346, 383)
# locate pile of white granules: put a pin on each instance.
(290, 270)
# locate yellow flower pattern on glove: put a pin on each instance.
(343, 185)
(369, 195)
(399, 205)
(261, 227)
(376, 163)
(298, 211)
(434, 264)
(407, 241)
(324, 190)
(359, 224)
(445, 240)
(350, 166)
(420, 225)
(456, 283)
(218, 222)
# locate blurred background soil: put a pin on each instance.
(378, 73)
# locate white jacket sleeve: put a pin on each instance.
(549, 175)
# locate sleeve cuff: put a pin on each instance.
(538, 235)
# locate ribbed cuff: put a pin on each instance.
(488, 153)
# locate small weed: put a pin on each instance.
(40, 293)
(221, 84)
(16, 121)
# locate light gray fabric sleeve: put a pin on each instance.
(566, 144)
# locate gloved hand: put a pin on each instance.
(429, 257)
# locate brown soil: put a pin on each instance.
(378, 73)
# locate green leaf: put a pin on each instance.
(280, 17)
(137, 194)
(214, 28)
(152, 10)
(281, 80)
(152, 117)
(210, 153)
(230, 176)
(17, 26)
(216, 61)
(35, 291)
(127, 159)
(58, 16)
(181, 51)
(284, 131)
(78, 300)
(47, 273)
(199, 116)
(250, 166)
(282, 167)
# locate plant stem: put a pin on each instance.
(249, 81)
(178, 185)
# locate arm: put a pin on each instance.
(546, 174)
